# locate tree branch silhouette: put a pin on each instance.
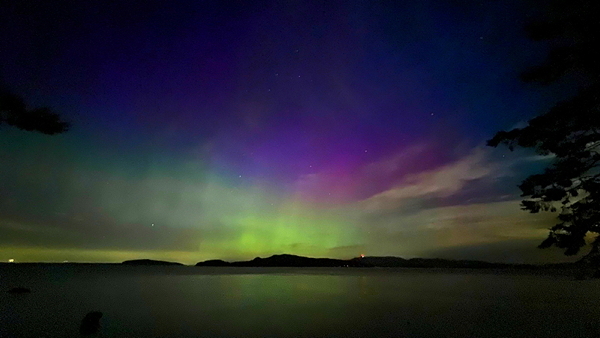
(570, 130)
(14, 112)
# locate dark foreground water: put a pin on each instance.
(259, 302)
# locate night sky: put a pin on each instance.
(235, 129)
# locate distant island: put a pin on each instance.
(149, 262)
(286, 260)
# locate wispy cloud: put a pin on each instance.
(373, 177)
(443, 181)
(392, 164)
(425, 231)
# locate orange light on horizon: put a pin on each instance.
(362, 255)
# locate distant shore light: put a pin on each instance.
(11, 260)
(362, 255)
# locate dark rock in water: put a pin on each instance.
(19, 290)
(90, 323)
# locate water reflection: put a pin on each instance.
(302, 304)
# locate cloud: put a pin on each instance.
(523, 250)
(443, 181)
(419, 173)
(423, 232)
(491, 221)
(535, 158)
(394, 163)
(343, 185)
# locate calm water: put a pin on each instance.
(250, 302)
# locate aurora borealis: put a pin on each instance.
(233, 129)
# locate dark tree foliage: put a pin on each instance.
(14, 112)
(570, 130)
(572, 27)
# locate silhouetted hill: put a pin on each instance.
(387, 261)
(149, 262)
(286, 261)
(300, 261)
(214, 262)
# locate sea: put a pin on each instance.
(188, 301)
